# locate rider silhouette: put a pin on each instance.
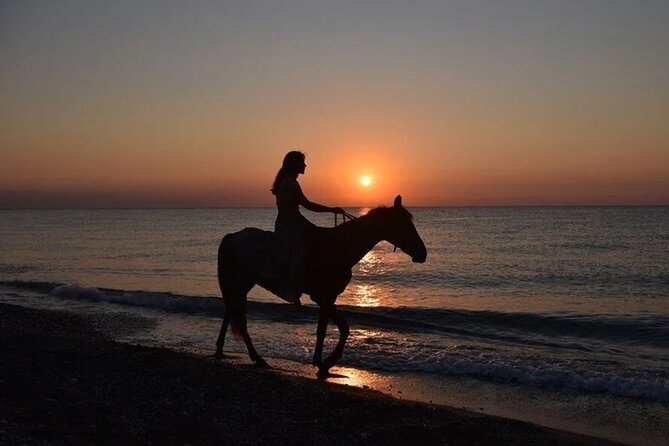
(290, 225)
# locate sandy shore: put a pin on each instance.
(63, 381)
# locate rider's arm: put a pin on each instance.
(315, 207)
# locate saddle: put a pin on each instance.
(257, 254)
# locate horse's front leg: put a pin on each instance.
(337, 353)
(323, 317)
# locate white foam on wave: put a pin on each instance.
(78, 292)
(507, 365)
(164, 301)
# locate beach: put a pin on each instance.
(64, 381)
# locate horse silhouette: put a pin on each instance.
(248, 258)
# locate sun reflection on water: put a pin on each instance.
(361, 378)
(366, 296)
(370, 258)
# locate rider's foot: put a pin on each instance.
(291, 296)
(294, 295)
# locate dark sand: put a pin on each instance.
(63, 381)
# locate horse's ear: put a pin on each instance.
(398, 201)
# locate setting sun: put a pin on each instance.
(366, 181)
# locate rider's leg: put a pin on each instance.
(296, 273)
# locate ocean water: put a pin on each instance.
(564, 298)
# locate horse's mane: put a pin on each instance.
(382, 208)
(375, 211)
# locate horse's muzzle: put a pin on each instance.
(419, 257)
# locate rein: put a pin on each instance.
(345, 215)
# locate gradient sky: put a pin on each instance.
(189, 104)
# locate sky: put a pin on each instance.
(194, 104)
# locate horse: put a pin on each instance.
(248, 258)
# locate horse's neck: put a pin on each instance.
(358, 237)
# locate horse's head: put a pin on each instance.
(402, 233)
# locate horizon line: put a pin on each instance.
(137, 208)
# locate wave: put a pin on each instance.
(502, 366)
(150, 299)
(391, 349)
(625, 330)
(594, 283)
(562, 330)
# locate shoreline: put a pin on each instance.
(554, 409)
(63, 380)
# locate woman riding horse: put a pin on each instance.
(291, 225)
(245, 260)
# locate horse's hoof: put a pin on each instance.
(323, 373)
(328, 363)
(261, 363)
(218, 355)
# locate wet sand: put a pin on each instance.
(64, 381)
(633, 422)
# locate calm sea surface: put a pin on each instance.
(567, 298)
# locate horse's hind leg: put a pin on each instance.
(323, 318)
(253, 354)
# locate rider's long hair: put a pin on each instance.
(292, 163)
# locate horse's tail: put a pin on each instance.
(225, 263)
(234, 301)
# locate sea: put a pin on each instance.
(567, 301)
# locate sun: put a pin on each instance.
(366, 181)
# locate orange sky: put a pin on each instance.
(459, 104)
